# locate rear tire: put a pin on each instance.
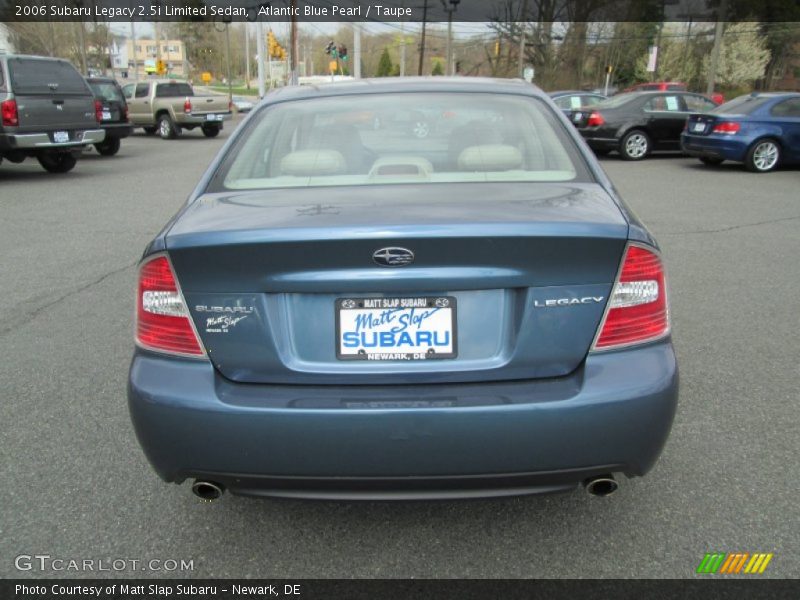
(764, 156)
(150, 130)
(635, 145)
(167, 128)
(711, 162)
(57, 162)
(108, 147)
(211, 131)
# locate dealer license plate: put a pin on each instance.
(59, 137)
(414, 328)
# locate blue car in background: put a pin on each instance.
(340, 313)
(761, 130)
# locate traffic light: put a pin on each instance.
(343, 52)
(161, 67)
(274, 49)
(330, 47)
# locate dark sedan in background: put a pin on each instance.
(112, 113)
(573, 103)
(761, 130)
(639, 123)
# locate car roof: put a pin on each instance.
(573, 92)
(390, 85)
(100, 79)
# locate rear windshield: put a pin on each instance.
(401, 138)
(36, 76)
(743, 105)
(618, 100)
(106, 91)
(167, 90)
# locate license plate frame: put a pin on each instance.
(698, 127)
(61, 137)
(417, 310)
(211, 117)
(106, 115)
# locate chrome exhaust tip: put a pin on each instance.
(207, 490)
(603, 485)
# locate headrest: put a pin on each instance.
(490, 157)
(309, 163)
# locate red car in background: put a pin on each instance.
(668, 86)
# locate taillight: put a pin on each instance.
(9, 112)
(595, 119)
(187, 106)
(125, 113)
(98, 111)
(729, 127)
(163, 323)
(637, 311)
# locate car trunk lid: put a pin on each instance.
(265, 273)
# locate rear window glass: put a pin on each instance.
(106, 91)
(35, 76)
(618, 100)
(743, 105)
(166, 90)
(396, 139)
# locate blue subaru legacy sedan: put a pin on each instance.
(340, 311)
(761, 130)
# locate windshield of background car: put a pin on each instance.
(107, 91)
(618, 100)
(169, 90)
(36, 76)
(743, 105)
(401, 138)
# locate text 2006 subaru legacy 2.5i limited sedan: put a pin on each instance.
(342, 310)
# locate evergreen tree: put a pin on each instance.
(385, 65)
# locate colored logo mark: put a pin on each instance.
(734, 563)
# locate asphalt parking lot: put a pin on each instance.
(77, 486)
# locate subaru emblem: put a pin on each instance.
(393, 257)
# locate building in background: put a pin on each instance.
(145, 54)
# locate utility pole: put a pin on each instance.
(422, 41)
(133, 51)
(293, 78)
(712, 72)
(523, 21)
(449, 47)
(262, 50)
(247, 55)
(402, 48)
(228, 61)
(356, 51)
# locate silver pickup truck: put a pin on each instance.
(48, 112)
(167, 106)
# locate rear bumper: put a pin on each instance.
(33, 141)
(118, 130)
(713, 146)
(449, 440)
(202, 119)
